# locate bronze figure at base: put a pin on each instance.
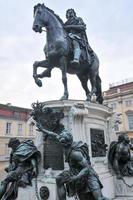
(80, 180)
(23, 166)
(120, 156)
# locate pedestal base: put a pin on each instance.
(29, 193)
(122, 190)
(91, 123)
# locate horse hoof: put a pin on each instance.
(39, 83)
(88, 99)
(64, 98)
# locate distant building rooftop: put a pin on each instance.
(120, 87)
(122, 82)
(9, 111)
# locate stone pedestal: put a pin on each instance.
(82, 116)
(92, 123)
(30, 192)
(88, 122)
(123, 188)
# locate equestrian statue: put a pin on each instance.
(67, 48)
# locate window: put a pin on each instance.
(7, 150)
(20, 128)
(131, 140)
(8, 128)
(113, 105)
(130, 121)
(31, 129)
(128, 102)
(116, 127)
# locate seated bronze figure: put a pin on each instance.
(120, 156)
(22, 168)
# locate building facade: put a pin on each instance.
(120, 98)
(14, 122)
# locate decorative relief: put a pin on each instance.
(98, 145)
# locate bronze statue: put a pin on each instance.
(67, 48)
(120, 156)
(76, 31)
(22, 168)
(80, 180)
(44, 193)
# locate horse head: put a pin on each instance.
(43, 16)
(40, 18)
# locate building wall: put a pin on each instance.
(19, 118)
(120, 99)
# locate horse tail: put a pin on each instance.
(99, 89)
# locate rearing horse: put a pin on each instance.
(58, 54)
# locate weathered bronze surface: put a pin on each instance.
(67, 48)
(119, 156)
(44, 193)
(23, 166)
(49, 118)
(98, 145)
(80, 180)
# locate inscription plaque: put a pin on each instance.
(98, 145)
(53, 155)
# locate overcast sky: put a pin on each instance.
(110, 34)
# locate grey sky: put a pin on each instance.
(109, 30)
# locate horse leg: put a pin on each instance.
(63, 64)
(84, 80)
(99, 95)
(93, 83)
(94, 73)
(45, 73)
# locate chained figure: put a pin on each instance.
(80, 180)
(23, 166)
(120, 157)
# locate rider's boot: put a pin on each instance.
(77, 53)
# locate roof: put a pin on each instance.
(14, 108)
(14, 112)
(119, 89)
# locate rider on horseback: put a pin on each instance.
(76, 31)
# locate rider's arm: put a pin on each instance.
(76, 27)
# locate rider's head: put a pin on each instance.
(70, 13)
(65, 138)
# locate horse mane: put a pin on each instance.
(57, 16)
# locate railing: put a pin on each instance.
(128, 80)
